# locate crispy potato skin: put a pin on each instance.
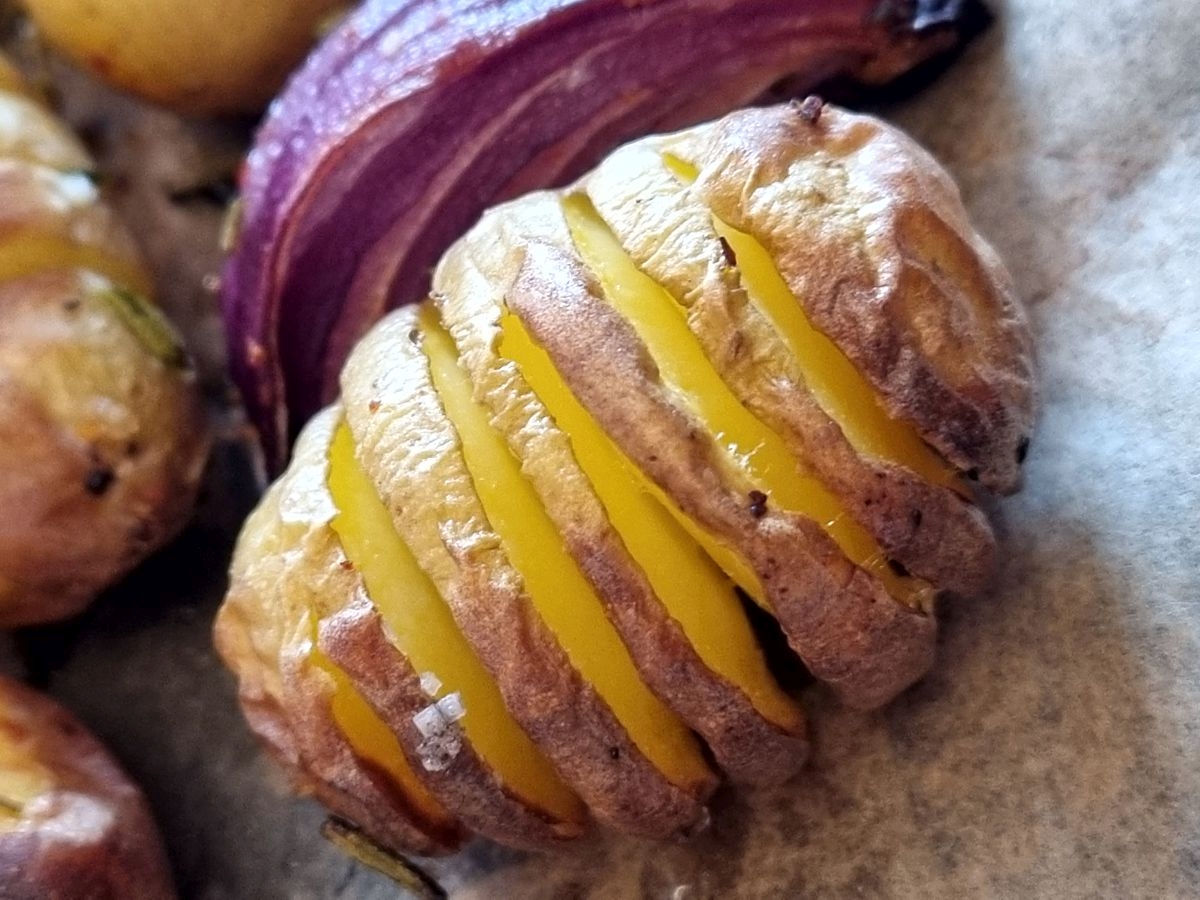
(103, 437)
(90, 833)
(389, 397)
(104, 446)
(287, 570)
(910, 292)
(470, 287)
(355, 639)
(852, 635)
(667, 230)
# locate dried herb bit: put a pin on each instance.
(614, 752)
(809, 108)
(972, 474)
(98, 480)
(149, 326)
(353, 842)
(758, 504)
(898, 568)
(1022, 450)
(414, 336)
(727, 251)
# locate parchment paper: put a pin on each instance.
(1054, 751)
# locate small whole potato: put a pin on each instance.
(72, 825)
(103, 437)
(104, 440)
(217, 56)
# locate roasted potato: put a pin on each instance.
(72, 825)
(217, 56)
(102, 428)
(764, 358)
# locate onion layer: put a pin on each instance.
(407, 122)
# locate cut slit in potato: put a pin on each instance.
(422, 629)
(752, 449)
(371, 740)
(839, 388)
(555, 585)
(695, 592)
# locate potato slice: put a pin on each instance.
(794, 379)
(753, 453)
(420, 628)
(353, 702)
(870, 235)
(390, 397)
(298, 701)
(675, 610)
(71, 822)
(851, 633)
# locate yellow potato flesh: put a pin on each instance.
(553, 581)
(839, 388)
(28, 253)
(697, 594)
(370, 738)
(22, 778)
(757, 451)
(422, 628)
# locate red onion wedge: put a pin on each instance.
(415, 115)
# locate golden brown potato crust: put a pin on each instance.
(668, 231)
(104, 445)
(354, 638)
(102, 429)
(389, 398)
(871, 235)
(286, 570)
(291, 583)
(90, 833)
(852, 635)
(471, 284)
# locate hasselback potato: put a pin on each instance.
(499, 589)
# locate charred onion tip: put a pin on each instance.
(809, 108)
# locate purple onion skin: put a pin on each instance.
(407, 122)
